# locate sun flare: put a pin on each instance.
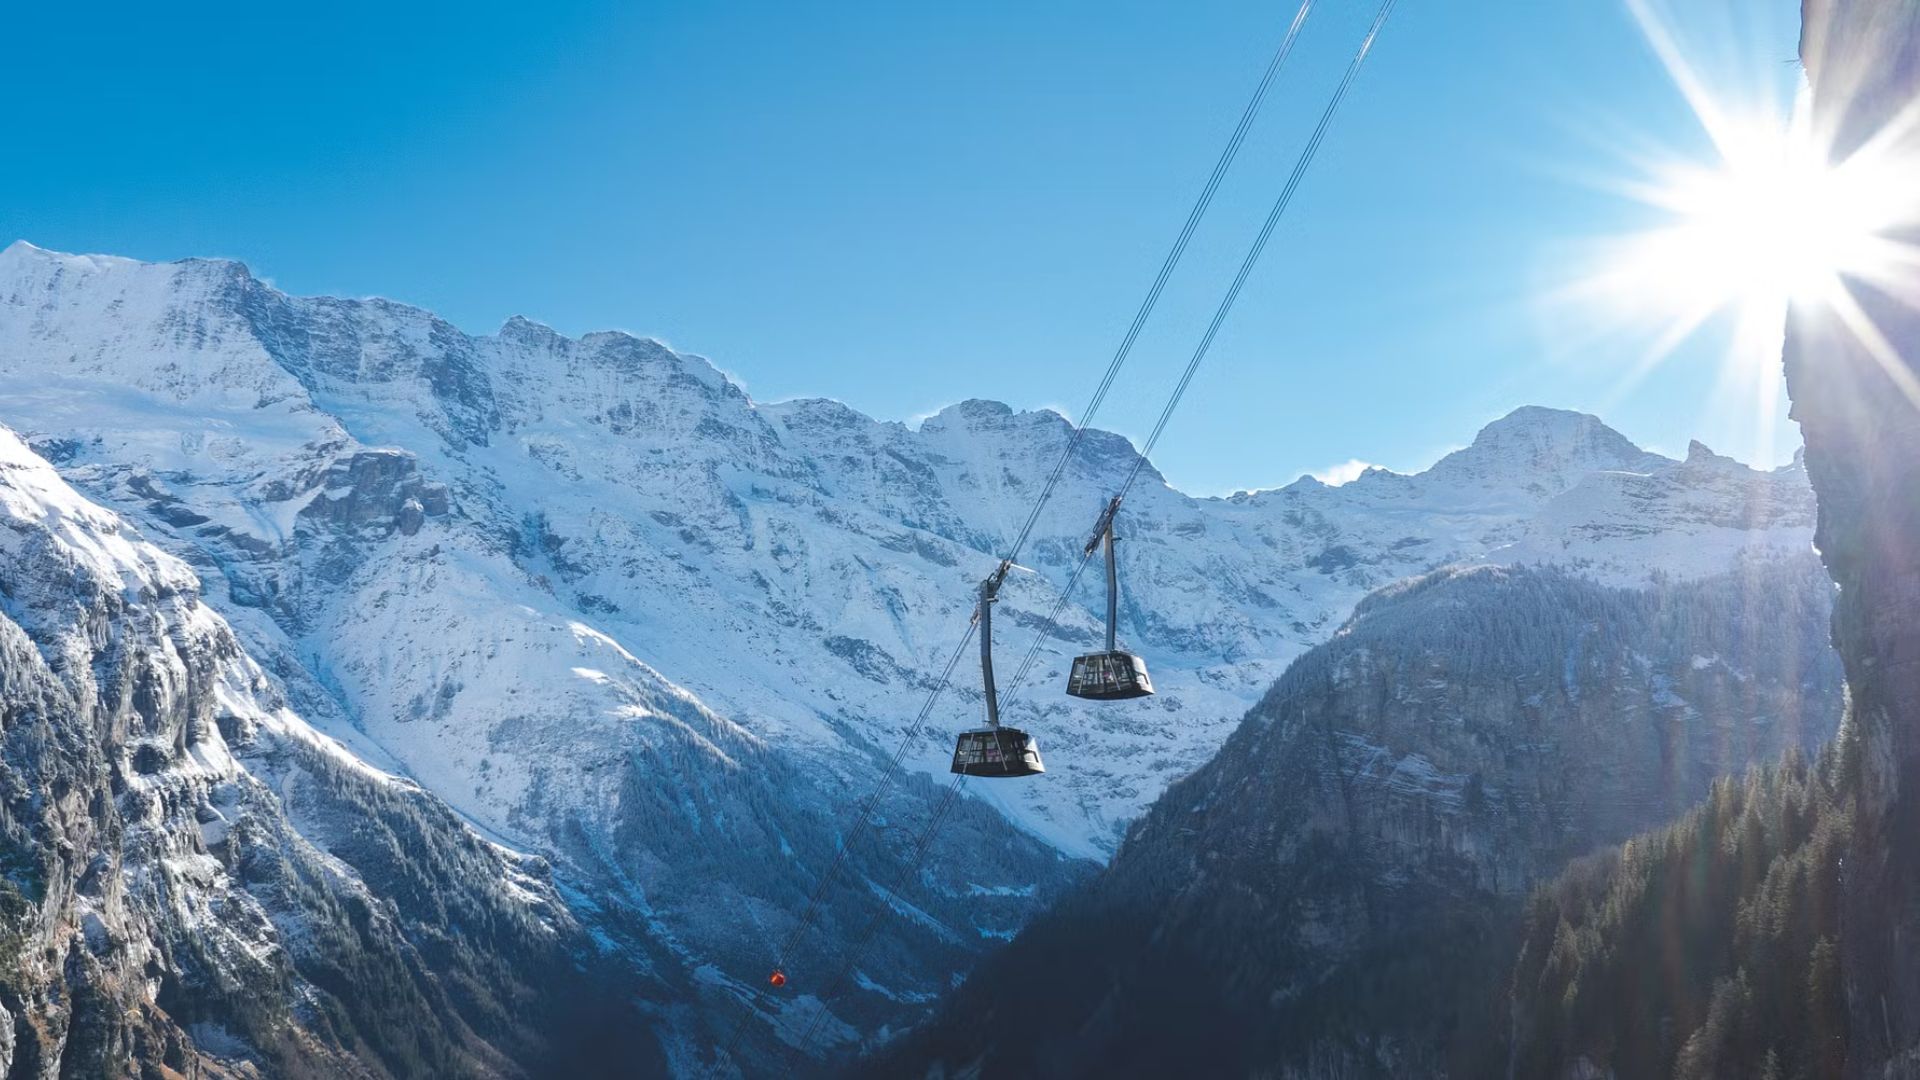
(1770, 217)
(1769, 223)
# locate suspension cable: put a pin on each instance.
(1274, 214)
(873, 799)
(812, 910)
(1167, 265)
(1114, 366)
(1279, 208)
(1046, 628)
(1285, 198)
(924, 846)
(867, 932)
(1172, 260)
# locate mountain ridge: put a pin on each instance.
(1515, 425)
(488, 561)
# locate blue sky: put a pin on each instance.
(905, 205)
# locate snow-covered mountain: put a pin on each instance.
(595, 597)
(194, 879)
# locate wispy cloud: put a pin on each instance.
(1345, 472)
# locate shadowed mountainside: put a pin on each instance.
(1335, 894)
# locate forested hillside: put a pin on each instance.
(1706, 949)
(1339, 893)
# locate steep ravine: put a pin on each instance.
(1335, 894)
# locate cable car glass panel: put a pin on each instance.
(997, 751)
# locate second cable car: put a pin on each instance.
(1111, 675)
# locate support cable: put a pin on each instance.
(1247, 264)
(1172, 260)
(1167, 265)
(1106, 383)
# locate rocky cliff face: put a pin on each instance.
(196, 882)
(1333, 895)
(1855, 381)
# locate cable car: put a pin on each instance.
(997, 751)
(993, 750)
(1111, 675)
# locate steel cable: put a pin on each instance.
(1285, 198)
(1247, 264)
(1167, 265)
(1174, 255)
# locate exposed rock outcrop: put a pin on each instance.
(1855, 380)
(195, 882)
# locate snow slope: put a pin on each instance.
(512, 565)
(797, 565)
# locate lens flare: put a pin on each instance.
(1771, 218)
(1769, 223)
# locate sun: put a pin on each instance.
(1768, 224)
(1771, 222)
(1769, 219)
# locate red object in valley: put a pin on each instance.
(778, 978)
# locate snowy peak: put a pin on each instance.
(1543, 451)
(526, 333)
(24, 263)
(18, 257)
(829, 414)
(1562, 431)
(1703, 463)
(1031, 435)
(628, 354)
(1698, 451)
(1685, 518)
(971, 414)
